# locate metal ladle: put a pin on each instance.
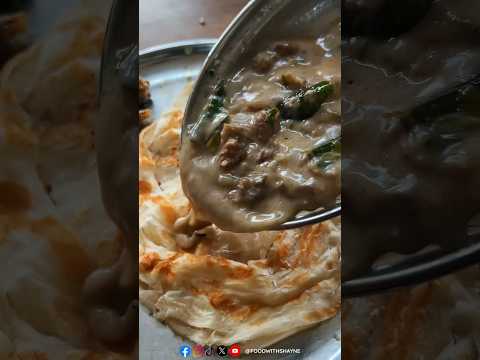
(258, 21)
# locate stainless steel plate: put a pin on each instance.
(169, 69)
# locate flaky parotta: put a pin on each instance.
(253, 289)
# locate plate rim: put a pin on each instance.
(163, 52)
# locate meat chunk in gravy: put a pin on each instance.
(264, 61)
(292, 81)
(235, 138)
(231, 153)
(248, 189)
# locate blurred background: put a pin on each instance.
(165, 21)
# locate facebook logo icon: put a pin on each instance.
(185, 351)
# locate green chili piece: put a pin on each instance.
(327, 153)
(201, 131)
(307, 102)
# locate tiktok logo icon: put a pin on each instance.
(185, 351)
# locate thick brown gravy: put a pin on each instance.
(267, 145)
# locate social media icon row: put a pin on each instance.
(201, 350)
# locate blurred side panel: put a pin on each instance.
(410, 176)
(68, 284)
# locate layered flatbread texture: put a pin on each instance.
(439, 320)
(217, 287)
(51, 238)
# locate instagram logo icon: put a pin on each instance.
(198, 350)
